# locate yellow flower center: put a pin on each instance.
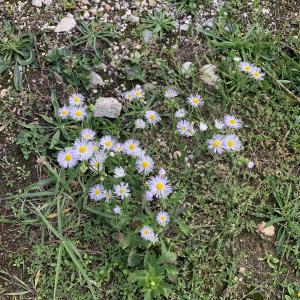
(183, 128)
(131, 147)
(232, 121)
(98, 164)
(298, 294)
(82, 149)
(152, 117)
(138, 93)
(196, 101)
(108, 143)
(97, 192)
(122, 190)
(145, 164)
(160, 186)
(256, 74)
(163, 218)
(119, 149)
(68, 157)
(88, 136)
(78, 113)
(216, 144)
(230, 143)
(146, 232)
(247, 68)
(76, 99)
(95, 147)
(64, 112)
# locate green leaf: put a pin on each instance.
(17, 77)
(55, 139)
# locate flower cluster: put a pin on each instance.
(136, 93)
(75, 110)
(252, 70)
(92, 151)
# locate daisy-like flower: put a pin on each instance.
(96, 192)
(232, 122)
(246, 67)
(152, 117)
(78, 113)
(119, 172)
(185, 128)
(147, 233)
(162, 218)
(149, 196)
(219, 124)
(195, 100)
(145, 164)
(140, 124)
(67, 158)
(97, 161)
(64, 112)
(107, 142)
(138, 92)
(117, 210)
(170, 93)
(180, 113)
(122, 190)
(131, 147)
(76, 99)
(257, 74)
(232, 142)
(129, 96)
(154, 239)
(118, 147)
(96, 146)
(83, 149)
(88, 134)
(203, 126)
(216, 144)
(108, 195)
(159, 186)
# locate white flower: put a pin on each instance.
(97, 161)
(180, 113)
(195, 100)
(67, 158)
(219, 124)
(87, 134)
(236, 58)
(64, 112)
(232, 142)
(251, 164)
(76, 99)
(119, 172)
(122, 190)
(159, 186)
(162, 218)
(216, 144)
(96, 192)
(117, 210)
(162, 172)
(107, 142)
(152, 117)
(147, 233)
(83, 149)
(149, 196)
(78, 113)
(170, 93)
(140, 124)
(145, 164)
(203, 126)
(131, 147)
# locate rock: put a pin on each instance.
(66, 24)
(96, 80)
(209, 76)
(37, 3)
(47, 2)
(147, 36)
(3, 93)
(209, 23)
(152, 3)
(268, 231)
(150, 86)
(186, 69)
(107, 107)
(184, 27)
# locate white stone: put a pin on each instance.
(107, 107)
(96, 80)
(66, 24)
(47, 2)
(37, 3)
(209, 76)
